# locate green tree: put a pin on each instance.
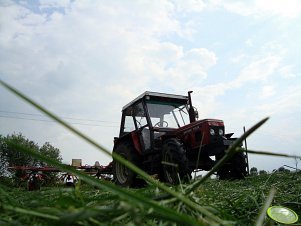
(262, 172)
(3, 163)
(48, 150)
(9, 156)
(12, 157)
(253, 171)
(281, 169)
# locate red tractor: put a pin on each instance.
(160, 134)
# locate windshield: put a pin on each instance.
(171, 115)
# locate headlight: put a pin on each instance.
(212, 132)
(220, 132)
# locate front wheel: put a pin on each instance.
(122, 175)
(235, 168)
(174, 162)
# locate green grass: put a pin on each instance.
(241, 201)
(238, 202)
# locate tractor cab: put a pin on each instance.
(152, 115)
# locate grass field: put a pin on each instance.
(235, 202)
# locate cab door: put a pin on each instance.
(142, 126)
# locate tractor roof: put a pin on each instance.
(156, 94)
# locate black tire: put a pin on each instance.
(174, 162)
(123, 176)
(235, 168)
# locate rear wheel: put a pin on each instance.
(174, 162)
(122, 175)
(235, 168)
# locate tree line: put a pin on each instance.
(254, 171)
(9, 156)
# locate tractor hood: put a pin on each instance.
(199, 125)
(202, 132)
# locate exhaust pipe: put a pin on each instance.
(191, 111)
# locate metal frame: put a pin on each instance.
(155, 94)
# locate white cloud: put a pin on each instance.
(259, 70)
(201, 56)
(190, 5)
(287, 72)
(257, 77)
(80, 42)
(285, 103)
(249, 42)
(256, 71)
(239, 58)
(167, 64)
(190, 68)
(288, 9)
(267, 91)
(241, 8)
(205, 98)
(54, 3)
(261, 8)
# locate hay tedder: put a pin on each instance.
(36, 176)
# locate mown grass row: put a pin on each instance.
(241, 201)
(237, 202)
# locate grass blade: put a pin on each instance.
(273, 154)
(29, 212)
(262, 214)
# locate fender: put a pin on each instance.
(133, 137)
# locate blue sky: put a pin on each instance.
(87, 59)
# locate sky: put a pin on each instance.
(85, 60)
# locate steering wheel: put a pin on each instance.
(164, 124)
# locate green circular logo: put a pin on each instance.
(282, 215)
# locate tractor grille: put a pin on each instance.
(216, 138)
